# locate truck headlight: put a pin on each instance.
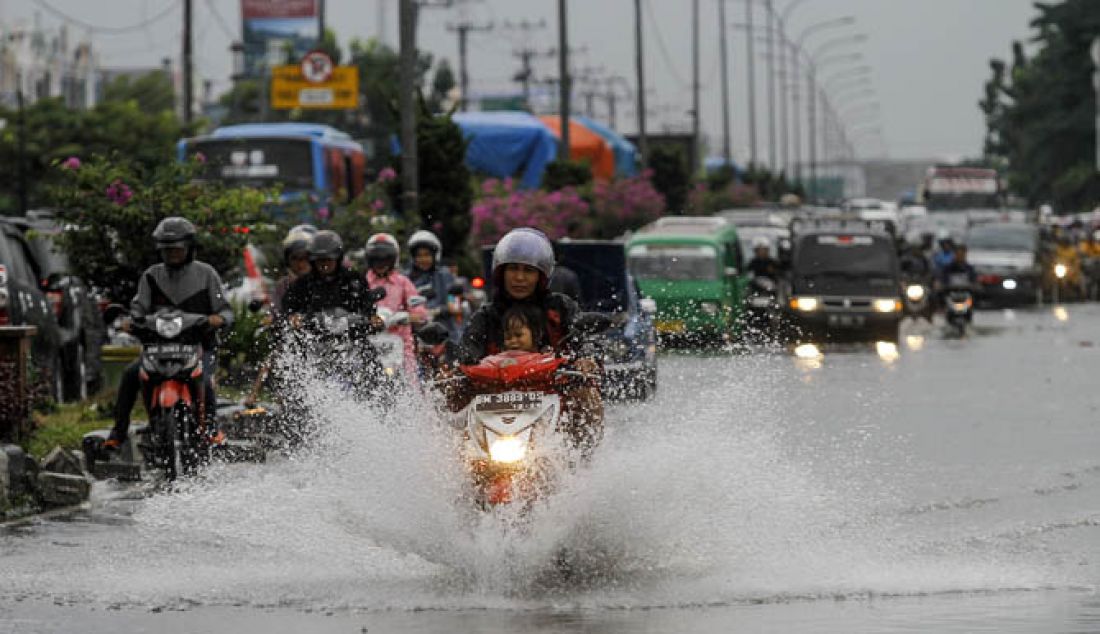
(805, 304)
(886, 305)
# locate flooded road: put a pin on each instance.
(954, 488)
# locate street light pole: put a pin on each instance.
(727, 154)
(694, 162)
(639, 62)
(409, 175)
(565, 85)
(750, 36)
(773, 160)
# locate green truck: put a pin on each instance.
(692, 268)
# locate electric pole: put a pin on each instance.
(639, 61)
(693, 162)
(187, 65)
(525, 55)
(773, 161)
(565, 83)
(463, 29)
(727, 153)
(749, 38)
(409, 176)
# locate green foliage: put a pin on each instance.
(670, 175)
(244, 348)
(114, 204)
(152, 92)
(1040, 111)
(446, 194)
(65, 427)
(569, 173)
(443, 82)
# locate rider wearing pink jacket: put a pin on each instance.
(382, 254)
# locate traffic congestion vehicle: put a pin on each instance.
(73, 302)
(693, 268)
(844, 281)
(1009, 259)
(24, 303)
(317, 166)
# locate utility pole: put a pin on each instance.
(463, 29)
(727, 153)
(812, 121)
(525, 55)
(409, 176)
(1095, 51)
(693, 162)
(321, 19)
(795, 119)
(784, 141)
(187, 63)
(22, 145)
(773, 161)
(749, 38)
(639, 62)
(565, 83)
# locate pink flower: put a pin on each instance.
(377, 205)
(71, 163)
(200, 157)
(387, 174)
(119, 193)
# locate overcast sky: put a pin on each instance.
(928, 59)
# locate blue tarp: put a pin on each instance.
(505, 143)
(626, 155)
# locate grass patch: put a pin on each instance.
(66, 426)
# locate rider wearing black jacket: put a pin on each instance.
(329, 285)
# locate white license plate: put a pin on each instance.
(507, 402)
(846, 321)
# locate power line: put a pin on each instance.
(221, 20)
(107, 29)
(664, 50)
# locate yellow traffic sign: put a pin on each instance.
(290, 89)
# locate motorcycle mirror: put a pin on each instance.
(375, 295)
(255, 305)
(433, 334)
(113, 312)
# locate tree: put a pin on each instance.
(152, 91)
(1040, 113)
(670, 176)
(443, 82)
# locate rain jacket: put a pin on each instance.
(194, 287)
(485, 333)
(398, 292)
(440, 281)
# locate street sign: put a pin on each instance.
(313, 85)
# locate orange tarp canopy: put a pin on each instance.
(585, 144)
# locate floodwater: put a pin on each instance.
(951, 487)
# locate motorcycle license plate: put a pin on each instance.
(668, 327)
(846, 321)
(507, 402)
(170, 349)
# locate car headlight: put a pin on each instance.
(886, 305)
(1060, 270)
(507, 449)
(169, 328)
(805, 304)
(915, 292)
(710, 308)
(1009, 285)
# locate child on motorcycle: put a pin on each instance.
(382, 256)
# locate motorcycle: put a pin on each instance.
(958, 303)
(517, 424)
(918, 298)
(171, 375)
(389, 346)
(763, 306)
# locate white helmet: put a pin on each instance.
(425, 239)
(760, 242)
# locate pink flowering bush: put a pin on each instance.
(502, 207)
(599, 211)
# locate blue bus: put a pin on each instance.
(316, 166)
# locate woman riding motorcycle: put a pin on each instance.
(523, 262)
(382, 257)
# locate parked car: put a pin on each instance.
(844, 282)
(692, 268)
(629, 347)
(1010, 259)
(73, 303)
(23, 303)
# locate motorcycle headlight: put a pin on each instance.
(507, 449)
(886, 305)
(1060, 270)
(169, 328)
(915, 292)
(805, 304)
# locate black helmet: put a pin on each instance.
(326, 244)
(174, 232)
(382, 247)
